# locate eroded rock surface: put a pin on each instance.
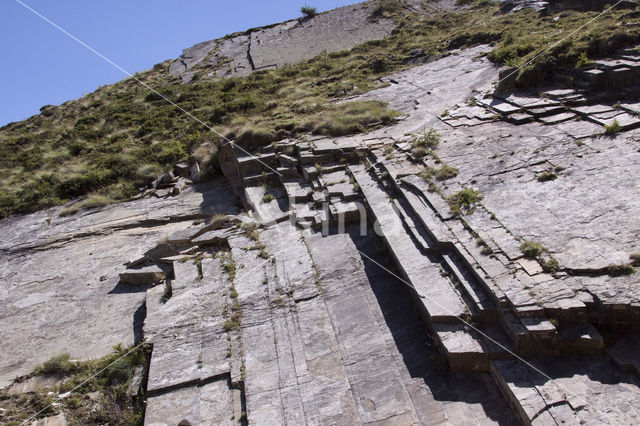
(287, 43)
(59, 284)
(354, 289)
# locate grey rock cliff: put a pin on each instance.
(356, 293)
(286, 43)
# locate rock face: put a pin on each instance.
(60, 286)
(351, 290)
(286, 43)
(323, 330)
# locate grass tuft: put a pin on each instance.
(620, 270)
(91, 202)
(464, 200)
(308, 11)
(386, 7)
(547, 176)
(107, 379)
(613, 128)
(531, 249)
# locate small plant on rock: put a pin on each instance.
(57, 365)
(549, 264)
(486, 249)
(635, 259)
(547, 176)
(583, 60)
(308, 11)
(267, 198)
(620, 270)
(531, 249)
(464, 200)
(443, 173)
(613, 128)
(424, 143)
(233, 323)
(446, 172)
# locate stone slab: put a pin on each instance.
(147, 275)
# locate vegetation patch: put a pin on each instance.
(350, 118)
(446, 172)
(387, 7)
(464, 200)
(547, 176)
(620, 270)
(308, 11)
(424, 143)
(443, 173)
(533, 250)
(613, 128)
(91, 202)
(95, 396)
(113, 141)
(233, 323)
(228, 264)
(267, 198)
(486, 250)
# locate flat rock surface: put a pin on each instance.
(59, 285)
(577, 391)
(572, 216)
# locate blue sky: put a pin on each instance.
(41, 65)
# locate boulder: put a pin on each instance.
(182, 170)
(163, 180)
(58, 420)
(180, 186)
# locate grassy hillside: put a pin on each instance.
(110, 143)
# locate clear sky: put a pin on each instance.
(40, 65)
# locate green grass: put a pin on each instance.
(531, 249)
(308, 11)
(113, 141)
(547, 176)
(536, 251)
(110, 375)
(267, 198)
(620, 270)
(387, 7)
(613, 128)
(424, 143)
(59, 364)
(91, 202)
(464, 200)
